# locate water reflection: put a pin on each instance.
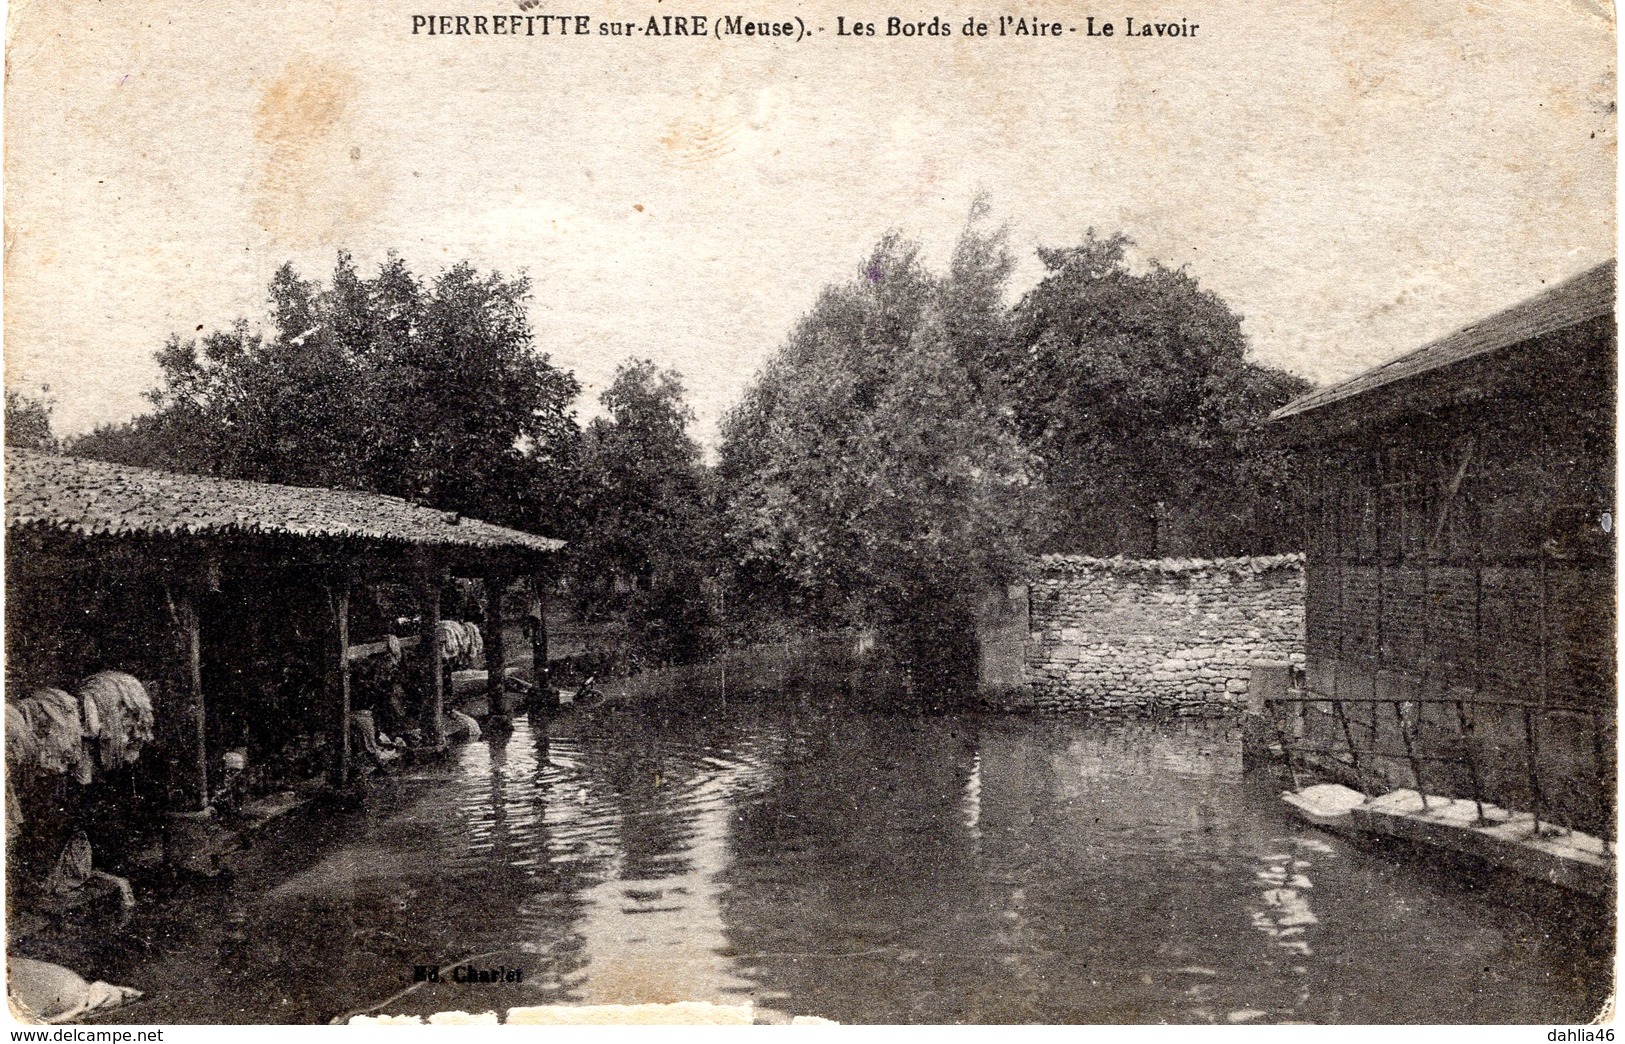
(863, 867)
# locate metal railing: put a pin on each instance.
(1350, 755)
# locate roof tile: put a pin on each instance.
(80, 495)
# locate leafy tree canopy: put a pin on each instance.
(428, 390)
(871, 472)
(28, 421)
(643, 484)
(647, 550)
(1135, 391)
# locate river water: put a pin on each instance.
(863, 867)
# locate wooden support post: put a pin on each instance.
(1530, 728)
(1605, 779)
(1273, 711)
(200, 716)
(434, 577)
(183, 605)
(538, 644)
(1470, 719)
(338, 595)
(496, 700)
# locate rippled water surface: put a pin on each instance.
(862, 867)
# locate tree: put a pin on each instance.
(1135, 392)
(28, 421)
(643, 552)
(872, 472)
(429, 391)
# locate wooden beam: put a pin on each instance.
(367, 650)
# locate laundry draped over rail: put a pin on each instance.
(48, 729)
(119, 714)
(45, 731)
(460, 641)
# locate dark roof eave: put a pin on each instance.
(1579, 299)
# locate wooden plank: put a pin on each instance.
(367, 650)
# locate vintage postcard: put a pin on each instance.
(636, 511)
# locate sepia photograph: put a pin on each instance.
(841, 515)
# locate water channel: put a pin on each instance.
(859, 866)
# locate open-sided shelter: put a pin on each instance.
(168, 576)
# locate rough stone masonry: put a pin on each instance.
(1173, 636)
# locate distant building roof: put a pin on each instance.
(1588, 295)
(93, 497)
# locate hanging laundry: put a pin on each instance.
(123, 715)
(452, 640)
(92, 717)
(459, 641)
(46, 731)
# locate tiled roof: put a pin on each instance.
(1585, 296)
(80, 495)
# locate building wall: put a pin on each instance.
(1166, 636)
(1461, 557)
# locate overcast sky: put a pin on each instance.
(1354, 178)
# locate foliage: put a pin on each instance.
(915, 438)
(643, 548)
(1135, 392)
(432, 391)
(872, 472)
(28, 421)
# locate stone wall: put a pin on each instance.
(1171, 636)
